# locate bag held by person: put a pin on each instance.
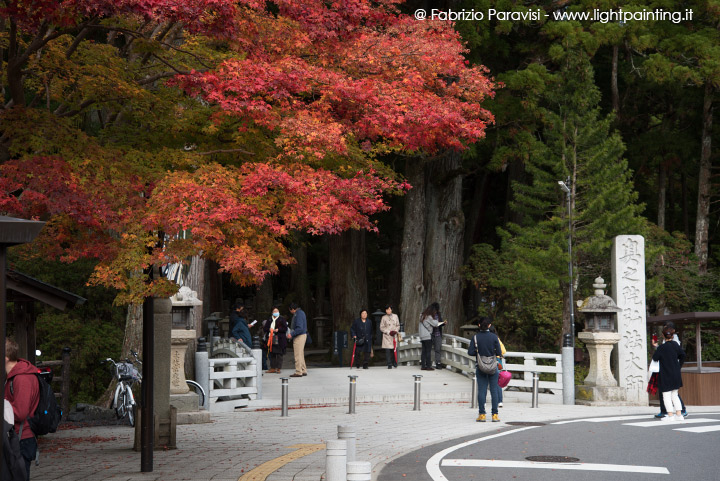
(504, 378)
(13, 467)
(48, 414)
(486, 364)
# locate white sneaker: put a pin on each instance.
(500, 405)
(668, 419)
(679, 419)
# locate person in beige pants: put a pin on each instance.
(298, 334)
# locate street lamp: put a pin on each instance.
(568, 349)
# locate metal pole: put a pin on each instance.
(147, 420)
(353, 384)
(568, 370)
(416, 402)
(473, 395)
(535, 389)
(568, 350)
(284, 407)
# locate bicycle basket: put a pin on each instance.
(125, 371)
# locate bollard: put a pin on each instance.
(258, 355)
(336, 460)
(416, 402)
(359, 471)
(568, 370)
(535, 388)
(202, 370)
(473, 395)
(353, 384)
(347, 432)
(284, 408)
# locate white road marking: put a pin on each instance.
(602, 420)
(700, 429)
(495, 463)
(659, 422)
(433, 464)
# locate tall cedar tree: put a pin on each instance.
(575, 142)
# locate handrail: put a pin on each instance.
(454, 355)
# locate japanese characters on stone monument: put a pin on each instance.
(628, 290)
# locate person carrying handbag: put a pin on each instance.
(485, 346)
(428, 320)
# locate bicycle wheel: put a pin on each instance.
(121, 407)
(130, 411)
(198, 390)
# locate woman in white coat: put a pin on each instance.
(390, 325)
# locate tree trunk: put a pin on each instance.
(614, 81)
(412, 255)
(444, 239)
(195, 280)
(132, 340)
(213, 290)
(702, 221)
(394, 277)
(299, 284)
(321, 284)
(348, 277)
(264, 300)
(684, 200)
(662, 190)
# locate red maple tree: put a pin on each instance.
(347, 79)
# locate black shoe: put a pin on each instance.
(389, 367)
(365, 367)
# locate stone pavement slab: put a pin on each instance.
(235, 443)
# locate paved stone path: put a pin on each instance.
(234, 444)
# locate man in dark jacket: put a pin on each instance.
(298, 334)
(486, 344)
(23, 392)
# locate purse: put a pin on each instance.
(654, 367)
(504, 378)
(485, 364)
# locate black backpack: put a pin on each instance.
(48, 414)
(13, 467)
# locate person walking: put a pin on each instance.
(22, 391)
(275, 329)
(663, 410)
(486, 344)
(389, 326)
(298, 334)
(437, 337)
(362, 333)
(671, 358)
(428, 320)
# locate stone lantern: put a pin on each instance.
(600, 337)
(182, 334)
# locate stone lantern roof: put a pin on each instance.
(599, 302)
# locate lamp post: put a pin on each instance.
(568, 349)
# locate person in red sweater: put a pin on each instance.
(23, 392)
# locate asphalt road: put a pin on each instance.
(622, 448)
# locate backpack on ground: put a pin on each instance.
(13, 467)
(48, 414)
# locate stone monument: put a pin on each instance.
(182, 334)
(599, 336)
(628, 290)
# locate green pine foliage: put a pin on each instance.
(526, 278)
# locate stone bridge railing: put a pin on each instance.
(522, 365)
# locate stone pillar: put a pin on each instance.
(165, 420)
(628, 290)
(600, 345)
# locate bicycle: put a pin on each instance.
(123, 400)
(191, 384)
